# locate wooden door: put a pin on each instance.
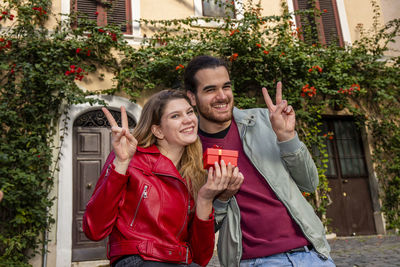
(92, 144)
(350, 211)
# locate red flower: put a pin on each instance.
(330, 137)
(79, 72)
(96, 13)
(4, 12)
(9, 44)
(282, 54)
(325, 10)
(113, 36)
(11, 17)
(266, 52)
(258, 45)
(41, 10)
(233, 57)
(356, 86)
(310, 91)
(101, 30)
(318, 68)
(88, 53)
(233, 32)
(180, 66)
(78, 50)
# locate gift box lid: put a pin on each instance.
(221, 152)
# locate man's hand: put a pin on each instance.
(233, 186)
(281, 115)
(218, 181)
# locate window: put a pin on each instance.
(345, 149)
(325, 29)
(107, 12)
(218, 8)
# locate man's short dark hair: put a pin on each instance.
(199, 63)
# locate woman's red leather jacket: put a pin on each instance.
(149, 212)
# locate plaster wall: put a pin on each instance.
(390, 11)
(359, 14)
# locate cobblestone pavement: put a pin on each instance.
(360, 251)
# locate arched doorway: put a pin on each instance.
(92, 144)
(63, 241)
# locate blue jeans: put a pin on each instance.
(137, 261)
(308, 258)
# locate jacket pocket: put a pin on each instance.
(144, 195)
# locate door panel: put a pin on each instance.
(92, 144)
(350, 212)
(92, 148)
(358, 204)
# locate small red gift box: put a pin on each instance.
(211, 155)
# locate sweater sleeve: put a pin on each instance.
(300, 164)
(202, 239)
(102, 208)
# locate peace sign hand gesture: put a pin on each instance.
(281, 115)
(123, 142)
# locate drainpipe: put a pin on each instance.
(45, 237)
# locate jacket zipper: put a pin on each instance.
(184, 223)
(144, 195)
(188, 200)
(290, 214)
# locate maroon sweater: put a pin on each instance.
(267, 227)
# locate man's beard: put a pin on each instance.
(207, 113)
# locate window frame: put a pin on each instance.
(319, 22)
(101, 19)
(198, 13)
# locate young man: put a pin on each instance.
(267, 222)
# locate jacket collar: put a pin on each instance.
(162, 165)
(246, 117)
(153, 149)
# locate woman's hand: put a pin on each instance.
(123, 142)
(218, 180)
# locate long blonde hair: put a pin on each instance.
(191, 166)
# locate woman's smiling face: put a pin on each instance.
(178, 124)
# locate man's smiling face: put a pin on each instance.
(214, 97)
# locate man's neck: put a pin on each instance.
(213, 127)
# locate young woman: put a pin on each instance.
(153, 198)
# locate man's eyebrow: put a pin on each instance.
(208, 87)
(213, 86)
(228, 83)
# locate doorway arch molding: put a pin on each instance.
(64, 186)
